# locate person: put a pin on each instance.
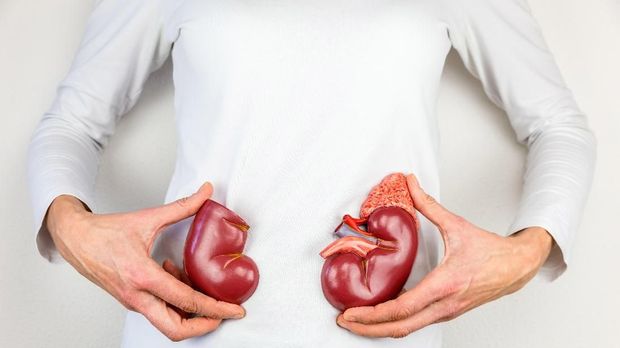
(288, 113)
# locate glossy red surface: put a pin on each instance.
(371, 261)
(213, 256)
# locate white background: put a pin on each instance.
(43, 305)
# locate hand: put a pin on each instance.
(478, 267)
(113, 251)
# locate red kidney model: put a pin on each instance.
(213, 257)
(372, 259)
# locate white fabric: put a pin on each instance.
(293, 110)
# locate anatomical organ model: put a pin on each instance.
(213, 258)
(372, 258)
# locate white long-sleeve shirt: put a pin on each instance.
(293, 110)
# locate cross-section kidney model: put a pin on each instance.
(372, 258)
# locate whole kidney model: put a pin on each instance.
(372, 258)
(213, 257)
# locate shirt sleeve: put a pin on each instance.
(501, 44)
(124, 42)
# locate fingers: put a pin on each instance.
(180, 209)
(180, 275)
(174, 326)
(168, 288)
(429, 290)
(434, 313)
(428, 206)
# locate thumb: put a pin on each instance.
(428, 206)
(182, 208)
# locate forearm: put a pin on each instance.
(63, 159)
(559, 170)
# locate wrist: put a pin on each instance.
(536, 242)
(64, 210)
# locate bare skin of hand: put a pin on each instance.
(478, 267)
(113, 251)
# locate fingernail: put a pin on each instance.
(412, 178)
(340, 322)
(197, 192)
(203, 186)
(349, 317)
(239, 315)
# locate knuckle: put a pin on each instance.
(401, 312)
(400, 332)
(182, 202)
(172, 332)
(451, 287)
(451, 310)
(458, 285)
(189, 306)
(144, 282)
(138, 279)
(129, 300)
(429, 199)
(174, 336)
